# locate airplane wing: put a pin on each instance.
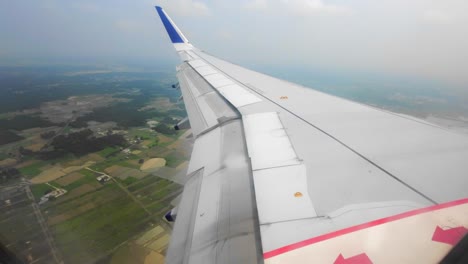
(281, 173)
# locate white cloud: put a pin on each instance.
(437, 16)
(306, 7)
(184, 7)
(297, 7)
(256, 4)
(87, 7)
(225, 35)
(127, 25)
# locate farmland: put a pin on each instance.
(83, 194)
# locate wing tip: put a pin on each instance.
(175, 35)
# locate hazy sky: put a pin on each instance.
(427, 39)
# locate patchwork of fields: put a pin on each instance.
(89, 165)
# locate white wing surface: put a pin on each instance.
(281, 173)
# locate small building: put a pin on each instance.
(103, 178)
(126, 151)
(52, 195)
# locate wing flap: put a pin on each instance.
(282, 195)
(267, 141)
(182, 236)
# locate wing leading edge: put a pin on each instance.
(310, 177)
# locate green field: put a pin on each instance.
(154, 143)
(102, 228)
(113, 217)
(66, 130)
(88, 178)
(39, 190)
(99, 197)
(142, 133)
(129, 181)
(88, 173)
(108, 151)
(98, 230)
(174, 159)
(114, 160)
(33, 169)
(146, 181)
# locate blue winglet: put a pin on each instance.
(171, 31)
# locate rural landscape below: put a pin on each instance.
(89, 164)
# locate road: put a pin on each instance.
(44, 227)
(123, 189)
